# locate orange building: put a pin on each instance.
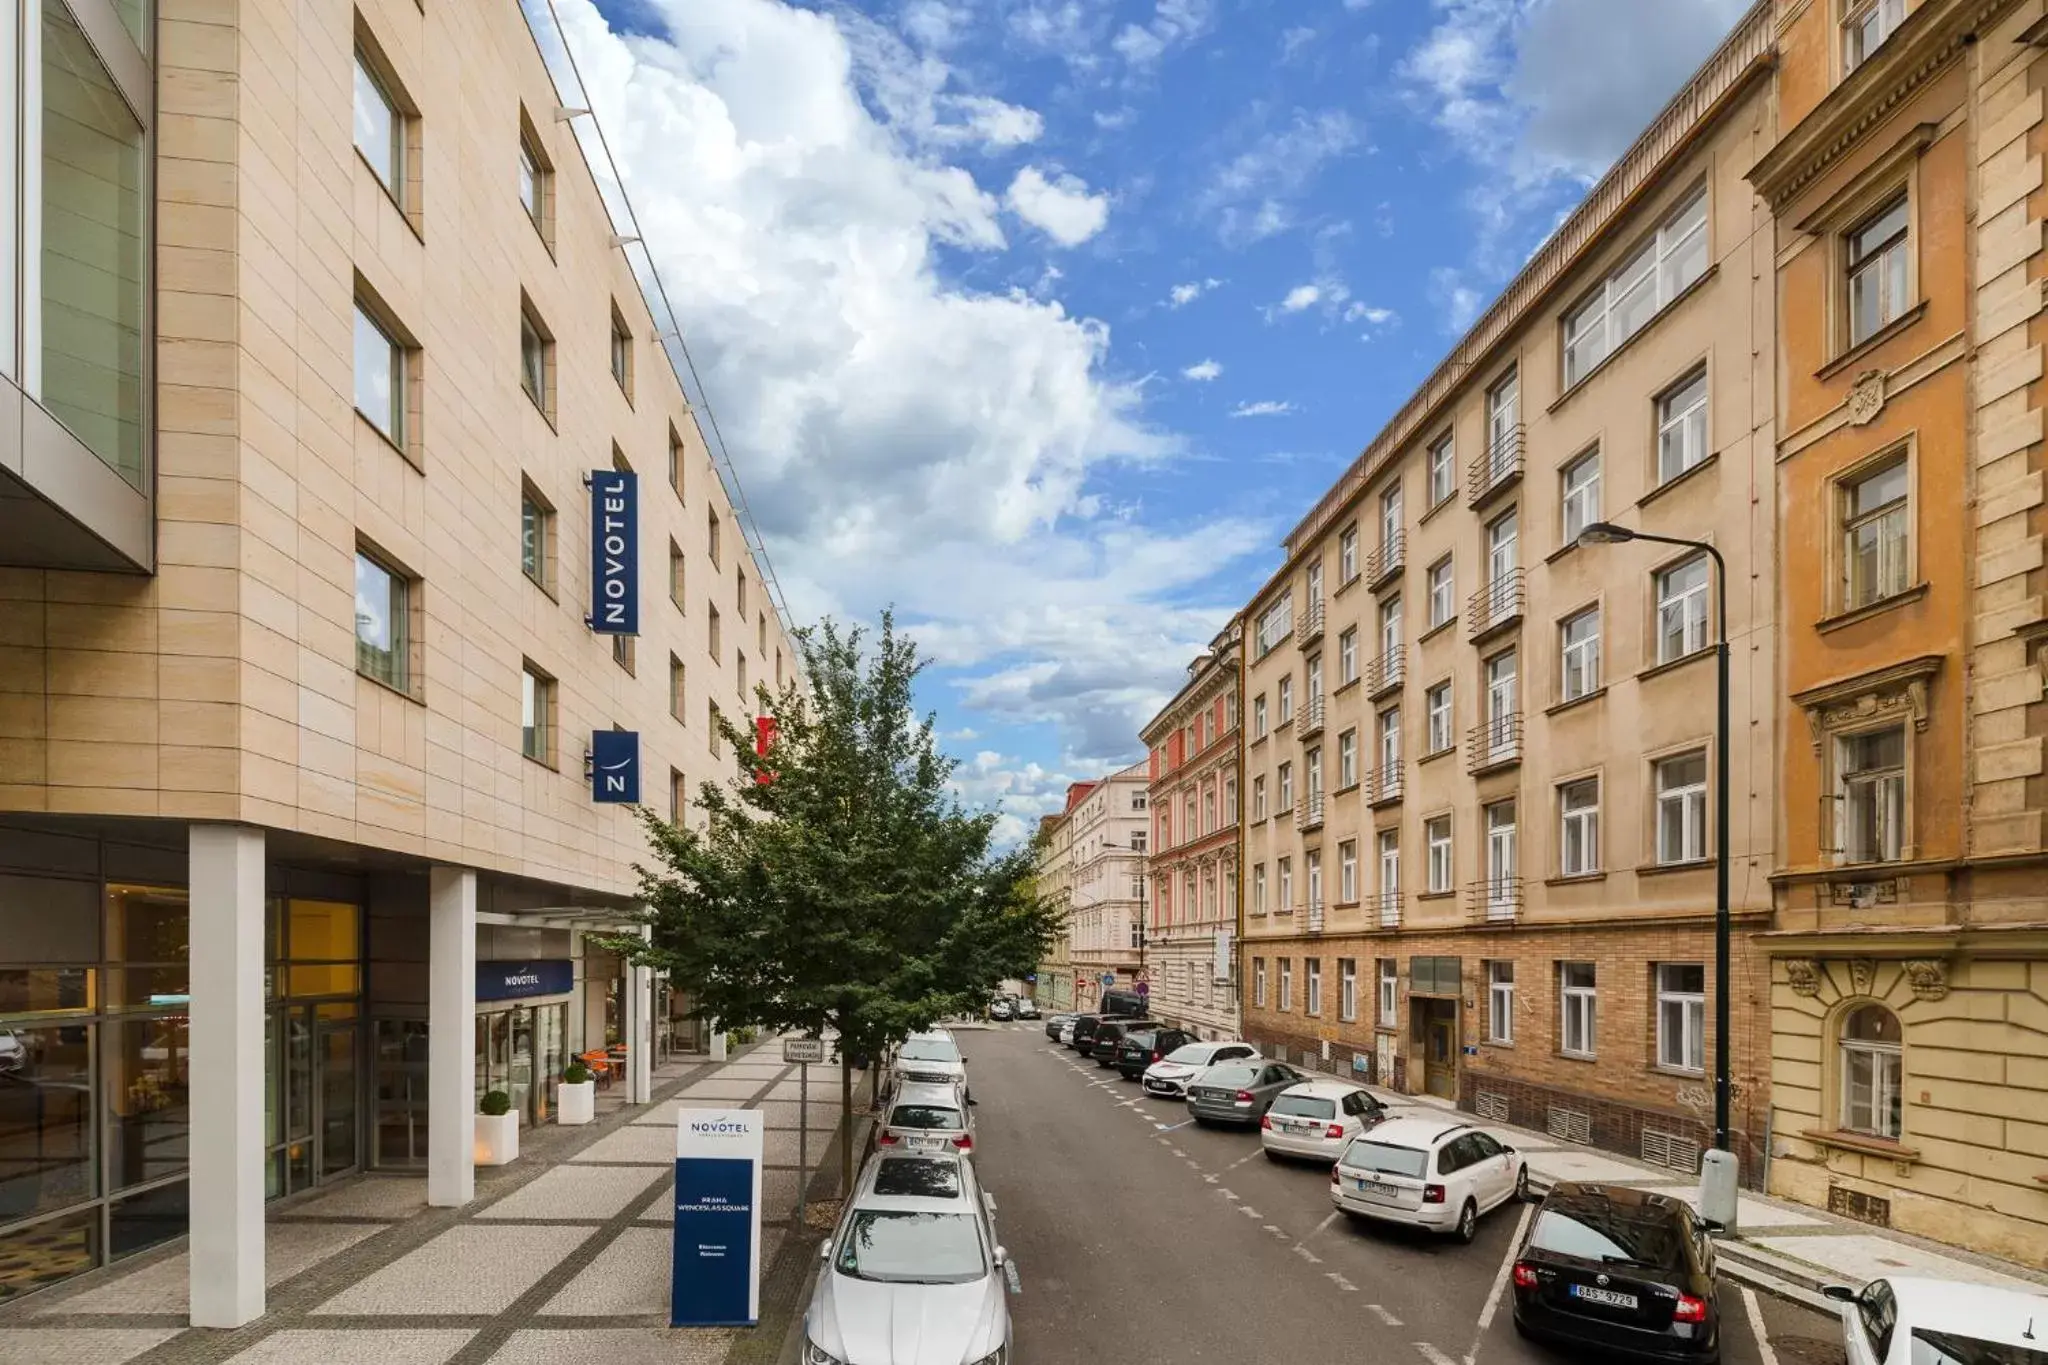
(1910, 938)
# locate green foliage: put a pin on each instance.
(852, 892)
(576, 1073)
(740, 1037)
(495, 1104)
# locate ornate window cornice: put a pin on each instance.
(1898, 689)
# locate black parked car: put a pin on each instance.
(1084, 1031)
(1119, 1003)
(1108, 1034)
(1143, 1046)
(1619, 1270)
(1053, 1023)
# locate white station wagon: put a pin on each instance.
(1428, 1174)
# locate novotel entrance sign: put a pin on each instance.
(614, 552)
(715, 1275)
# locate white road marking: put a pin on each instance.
(1307, 1255)
(1276, 1230)
(1322, 1227)
(1334, 1278)
(1241, 1160)
(1500, 1282)
(1231, 1195)
(1383, 1315)
(1433, 1355)
(1177, 1151)
(1210, 1178)
(1248, 1211)
(1756, 1327)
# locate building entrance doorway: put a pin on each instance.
(1436, 1028)
(314, 1117)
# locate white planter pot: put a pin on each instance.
(497, 1139)
(575, 1103)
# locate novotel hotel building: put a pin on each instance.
(362, 563)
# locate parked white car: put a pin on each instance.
(913, 1275)
(928, 1118)
(1317, 1120)
(930, 1058)
(1429, 1174)
(1027, 1008)
(1067, 1033)
(1169, 1076)
(1908, 1320)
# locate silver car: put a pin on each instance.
(931, 1059)
(1239, 1091)
(913, 1275)
(1169, 1076)
(928, 1118)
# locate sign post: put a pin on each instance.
(803, 1051)
(715, 1271)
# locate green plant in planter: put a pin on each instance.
(577, 1073)
(495, 1104)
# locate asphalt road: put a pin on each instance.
(1138, 1237)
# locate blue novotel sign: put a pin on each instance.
(615, 767)
(715, 1274)
(614, 552)
(518, 980)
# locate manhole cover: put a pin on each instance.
(1808, 1351)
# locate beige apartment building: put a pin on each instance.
(1478, 755)
(1106, 825)
(1191, 922)
(298, 693)
(1056, 885)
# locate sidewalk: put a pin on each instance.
(563, 1257)
(1786, 1249)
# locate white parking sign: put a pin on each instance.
(803, 1049)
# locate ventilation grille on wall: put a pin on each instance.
(1864, 1208)
(1669, 1149)
(1491, 1104)
(1312, 1059)
(1573, 1125)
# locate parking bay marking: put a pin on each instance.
(1433, 1355)
(1756, 1327)
(1500, 1283)
(1383, 1315)
(1172, 1127)
(1334, 1278)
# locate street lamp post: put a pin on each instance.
(1606, 533)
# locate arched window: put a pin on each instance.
(1870, 1056)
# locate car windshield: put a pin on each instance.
(929, 1050)
(923, 1116)
(1385, 1158)
(1611, 1233)
(1138, 1039)
(895, 1247)
(1305, 1106)
(1194, 1054)
(922, 1176)
(1953, 1348)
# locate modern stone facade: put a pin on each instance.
(1192, 914)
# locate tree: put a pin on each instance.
(849, 891)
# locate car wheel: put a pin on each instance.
(1522, 1185)
(1468, 1222)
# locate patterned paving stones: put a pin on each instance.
(80, 1345)
(388, 1198)
(630, 1277)
(722, 1090)
(637, 1142)
(579, 1193)
(471, 1268)
(615, 1346)
(376, 1347)
(164, 1286)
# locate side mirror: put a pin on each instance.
(1711, 1227)
(825, 1250)
(1002, 1256)
(1840, 1293)
(973, 1103)
(1505, 1148)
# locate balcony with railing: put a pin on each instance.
(1309, 814)
(1497, 606)
(1310, 627)
(1309, 720)
(1384, 565)
(1314, 923)
(1497, 468)
(1385, 784)
(1386, 673)
(1385, 909)
(1495, 901)
(1495, 742)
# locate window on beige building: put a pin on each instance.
(1286, 1001)
(741, 590)
(1275, 623)
(1578, 817)
(1876, 535)
(1443, 589)
(1259, 798)
(1259, 982)
(536, 715)
(677, 677)
(1503, 417)
(536, 180)
(1682, 1016)
(381, 370)
(1578, 1006)
(761, 634)
(1390, 522)
(625, 652)
(536, 359)
(1258, 888)
(1879, 269)
(675, 574)
(1682, 426)
(1682, 609)
(536, 536)
(1259, 716)
(712, 630)
(1437, 704)
(622, 353)
(739, 664)
(1657, 272)
(711, 535)
(1681, 792)
(678, 797)
(1347, 988)
(1284, 690)
(1347, 872)
(1347, 760)
(1347, 555)
(384, 604)
(1503, 859)
(1436, 832)
(1390, 991)
(1870, 794)
(1283, 876)
(1580, 494)
(1865, 26)
(1870, 1058)
(1284, 786)
(1579, 651)
(1443, 470)
(380, 117)
(712, 717)
(1500, 1002)
(1313, 967)
(1347, 657)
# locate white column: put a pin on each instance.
(718, 1047)
(640, 1035)
(227, 1074)
(451, 1037)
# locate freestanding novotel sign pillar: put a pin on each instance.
(716, 1273)
(614, 552)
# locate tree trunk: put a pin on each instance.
(845, 1122)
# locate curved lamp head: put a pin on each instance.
(1605, 533)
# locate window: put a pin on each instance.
(1579, 636)
(1390, 638)
(1285, 692)
(1503, 415)
(622, 354)
(536, 535)
(1259, 716)
(1286, 983)
(1500, 1002)
(379, 127)
(1390, 989)
(535, 178)
(1581, 487)
(1659, 271)
(1347, 656)
(1875, 533)
(712, 717)
(1313, 762)
(1501, 859)
(1283, 869)
(712, 628)
(383, 622)
(1390, 522)
(1209, 811)
(624, 650)
(1347, 759)
(1276, 622)
(1390, 867)
(1259, 982)
(536, 360)
(1436, 832)
(1682, 609)
(1682, 808)
(1312, 873)
(678, 798)
(1871, 789)
(1579, 1004)
(1258, 888)
(1347, 872)
(1682, 426)
(1437, 702)
(1286, 786)
(1865, 28)
(741, 591)
(675, 574)
(739, 661)
(536, 715)
(1315, 583)
(761, 633)
(1443, 604)
(1314, 968)
(1877, 266)
(1502, 704)
(1138, 800)
(1347, 988)
(379, 375)
(1258, 798)
(1503, 552)
(1870, 1057)
(1347, 555)
(1390, 746)
(677, 677)
(1682, 1016)
(1578, 812)
(1443, 470)
(1313, 671)
(711, 530)
(1230, 801)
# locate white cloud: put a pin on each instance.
(1294, 40)
(1185, 294)
(1356, 5)
(1263, 408)
(1173, 21)
(1203, 372)
(1300, 297)
(1458, 300)
(933, 23)
(1248, 196)
(1114, 120)
(996, 124)
(1061, 208)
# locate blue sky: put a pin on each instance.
(1043, 320)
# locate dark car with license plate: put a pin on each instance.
(1053, 1023)
(1619, 1270)
(1084, 1031)
(1140, 1047)
(1109, 1035)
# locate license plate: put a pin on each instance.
(926, 1144)
(1301, 1126)
(1374, 1187)
(1606, 1298)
